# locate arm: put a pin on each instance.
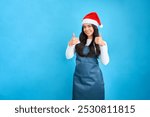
(70, 51)
(104, 57)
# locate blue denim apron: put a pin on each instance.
(88, 79)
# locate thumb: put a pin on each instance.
(73, 35)
(100, 34)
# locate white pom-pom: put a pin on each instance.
(101, 26)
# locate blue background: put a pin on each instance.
(34, 35)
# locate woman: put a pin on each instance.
(88, 79)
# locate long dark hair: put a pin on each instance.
(94, 48)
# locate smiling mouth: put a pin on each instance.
(87, 32)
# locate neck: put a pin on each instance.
(90, 37)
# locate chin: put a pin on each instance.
(88, 35)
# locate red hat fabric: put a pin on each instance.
(92, 18)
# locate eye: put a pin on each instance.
(84, 27)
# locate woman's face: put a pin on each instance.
(88, 30)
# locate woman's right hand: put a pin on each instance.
(74, 40)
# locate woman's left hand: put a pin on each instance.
(99, 41)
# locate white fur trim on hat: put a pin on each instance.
(90, 21)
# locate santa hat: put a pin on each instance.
(92, 18)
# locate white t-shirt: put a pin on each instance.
(104, 57)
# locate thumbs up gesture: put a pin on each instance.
(99, 41)
(74, 40)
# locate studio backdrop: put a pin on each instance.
(34, 35)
